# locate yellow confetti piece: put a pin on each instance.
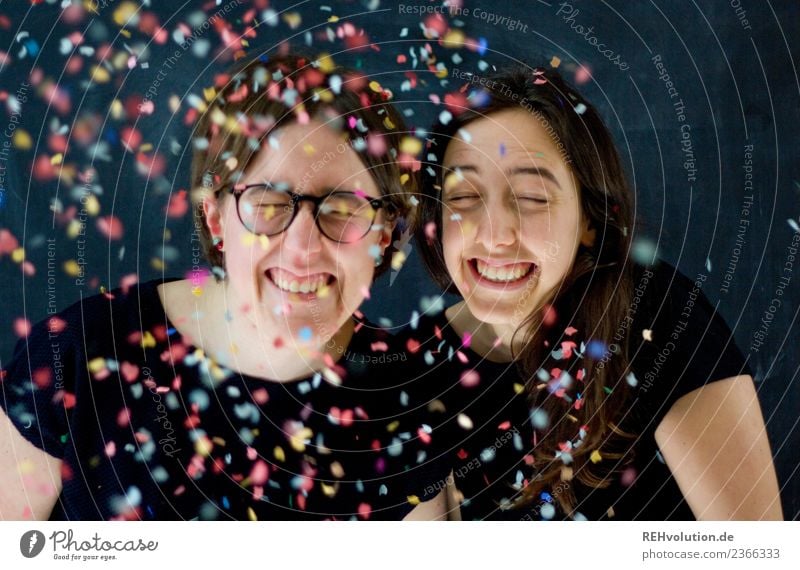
(404, 178)
(375, 86)
(197, 291)
(323, 291)
(279, 454)
(328, 490)
(413, 500)
(146, 147)
(566, 473)
(337, 470)
(251, 514)
(234, 348)
(96, 365)
(209, 93)
(117, 110)
(124, 12)
(333, 19)
(148, 340)
(203, 446)
(555, 62)
(22, 140)
(18, 255)
(398, 259)
(263, 242)
(233, 126)
(157, 263)
(56, 159)
(232, 163)
(410, 145)
(26, 467)
(174, 103)
(392, 426)
(441, 73)
(92, 205)
(387, 122)
(309, 149)
(72, 268)
(100, 74)
(293, 20)
(453, 39)
(326, 63)
(518, 388)
(298, 439)
(248, 239)
(595, 457)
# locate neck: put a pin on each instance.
(246, 346)
(490, 340)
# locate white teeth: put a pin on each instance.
(502, 274)
(294, 286)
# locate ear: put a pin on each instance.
(386, 233)
(588, 233)
(212, 210)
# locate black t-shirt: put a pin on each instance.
(484, 427)
(149, 428)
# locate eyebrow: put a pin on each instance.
(532, 170)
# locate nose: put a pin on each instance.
(498, 226)
(303, 238)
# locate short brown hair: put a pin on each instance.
(259, 95)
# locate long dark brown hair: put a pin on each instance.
(248, 102)
(595, 297)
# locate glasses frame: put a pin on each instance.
(296, 199)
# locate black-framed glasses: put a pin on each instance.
(341, 216)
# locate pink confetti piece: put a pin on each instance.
(470, 378)
(22, 327)
(110, 226)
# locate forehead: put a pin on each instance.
(510, 135)
(312, 154)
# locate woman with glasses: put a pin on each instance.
(577, 383)
(255, 393)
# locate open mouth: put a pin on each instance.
(303, 286)
(502, 274)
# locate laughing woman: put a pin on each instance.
(245, 395)
(594, 387)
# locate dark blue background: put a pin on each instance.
(740, 86)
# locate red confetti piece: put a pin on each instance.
(110, 226)
(22, 327)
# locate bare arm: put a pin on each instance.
(715, 443)
(30, 479)
(433, 510)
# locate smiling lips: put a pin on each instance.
(500, 272)
(302, 284)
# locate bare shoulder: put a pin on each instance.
(30, 479)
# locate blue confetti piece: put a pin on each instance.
(483, 45)
(596, 349)
(502, 149)
(305, 334)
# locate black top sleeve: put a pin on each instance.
(680, 342)
(38, 384)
